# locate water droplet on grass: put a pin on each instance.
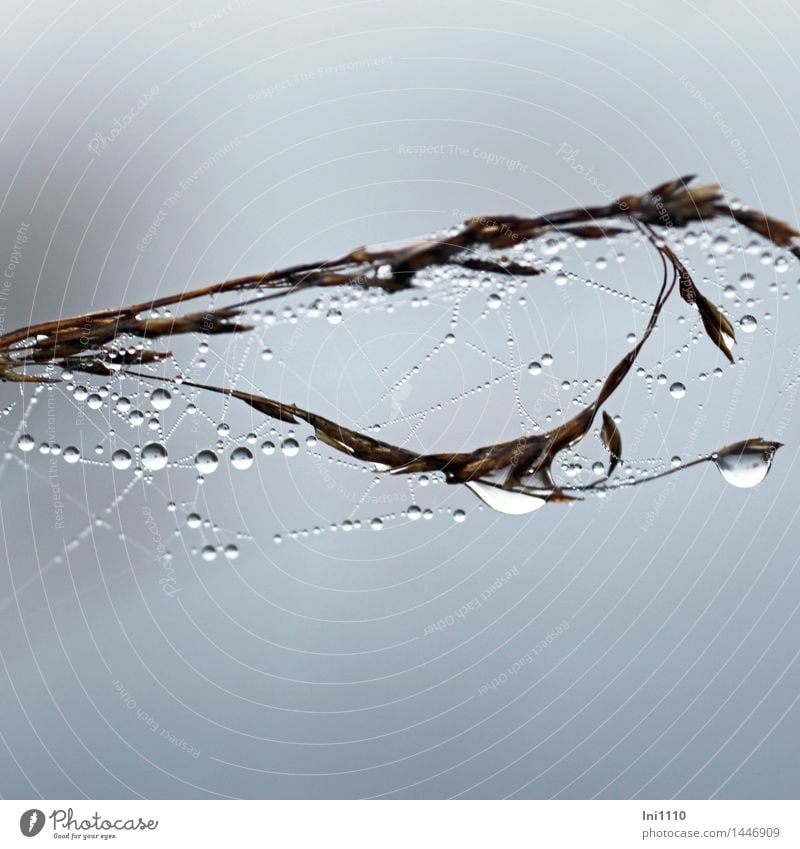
(747, 463)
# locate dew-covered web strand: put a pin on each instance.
(492, 296)
(153, 455)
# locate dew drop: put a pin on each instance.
(241, 458)
(535, 368)
(160, 399)
(721, 245)
(71, 454)
(208, 553)
(121, 459)
(206, 462)
(290, 447)
(268, 448)
(746, 464)
(154, 456)
(334, 316)
(677, 390)
(505, 500)
(26, 442)
(748, 323)
(459, 516)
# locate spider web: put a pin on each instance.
(465, 358)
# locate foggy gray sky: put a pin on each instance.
(148, 148)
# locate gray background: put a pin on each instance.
(304, 669)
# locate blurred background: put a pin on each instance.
(644, 645)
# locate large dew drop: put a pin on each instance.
(154, 456)
(506, 500)
(290, 447)
(677, 390)
(746, 464)
(241, 458)
(71, 454)
(160, 399)
(206, 462)
(121, 459)
(748, 323)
